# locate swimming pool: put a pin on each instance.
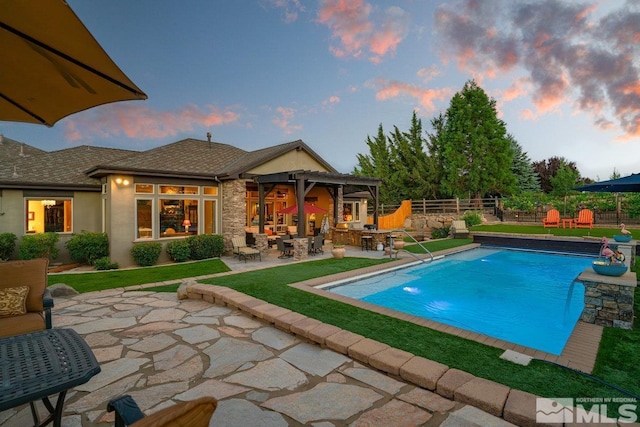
(527, 298)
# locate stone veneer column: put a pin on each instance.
(262, 243)
(608, 301)
(233, 211)
(300, 248)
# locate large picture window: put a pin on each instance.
(49, 215)
(178, 217)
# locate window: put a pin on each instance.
(144, 216)
(351, 211)
(144, 188)
(48, 215)
(178, 217)
(176, 189)
(166, 211)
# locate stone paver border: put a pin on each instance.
(497, 399)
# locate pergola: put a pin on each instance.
(304, 181)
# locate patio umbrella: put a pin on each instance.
(308, 209)
(51, 66)
(627, 184)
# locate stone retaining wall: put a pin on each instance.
(608, 301)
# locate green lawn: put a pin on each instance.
(539, 229)
(618, 359)
(100, 280)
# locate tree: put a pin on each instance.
(436, 157)
(378, 164)
(411, 163)
(547, 169)
(476, 154)
(527, 180)
(564, 181)
(615, 174)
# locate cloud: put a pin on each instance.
(571, 52)
(283, 121)
(290, 8)
(333, 99)
(358, 35)
(428, 73)
(141, 122)
(425, 97)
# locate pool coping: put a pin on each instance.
(580, 351)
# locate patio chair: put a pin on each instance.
(194, 413)
(584, 220)
(552, 219)
(25, 300)
(285, 250)
(318, 241)
(241, 248)
(459, 229)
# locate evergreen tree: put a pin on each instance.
(411, 163)
(435, 158)
(526, 177)
(477, 155)
(378, 164)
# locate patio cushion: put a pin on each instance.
(16, 325)
(13, 301)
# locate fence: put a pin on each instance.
(393, 216)
(445, 206)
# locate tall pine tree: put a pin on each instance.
(527, 180)
(476, 152)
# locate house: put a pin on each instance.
(170, 192)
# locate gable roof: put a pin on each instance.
(188, 157)
(255, 158)
(82, 166)
(23, 166)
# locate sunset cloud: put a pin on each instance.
(141, 122)
(570, 55)
(358, 34)
(290, 8)
(284, 120)
(425, 97)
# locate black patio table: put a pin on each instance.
(36, 365)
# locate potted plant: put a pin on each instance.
(338, 250)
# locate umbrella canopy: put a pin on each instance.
(627, 184)
(308, 209)
(51, 66)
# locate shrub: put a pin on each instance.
(41, 245)
(87, 247)
(146, 253)
(472, 218)
(7, 245)
(179, 250)
(105, 263)
(205, 246)
(440, 233)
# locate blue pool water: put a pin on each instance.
(528, 298)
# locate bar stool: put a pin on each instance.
(366, 242)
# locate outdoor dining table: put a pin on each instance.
(36, 365)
